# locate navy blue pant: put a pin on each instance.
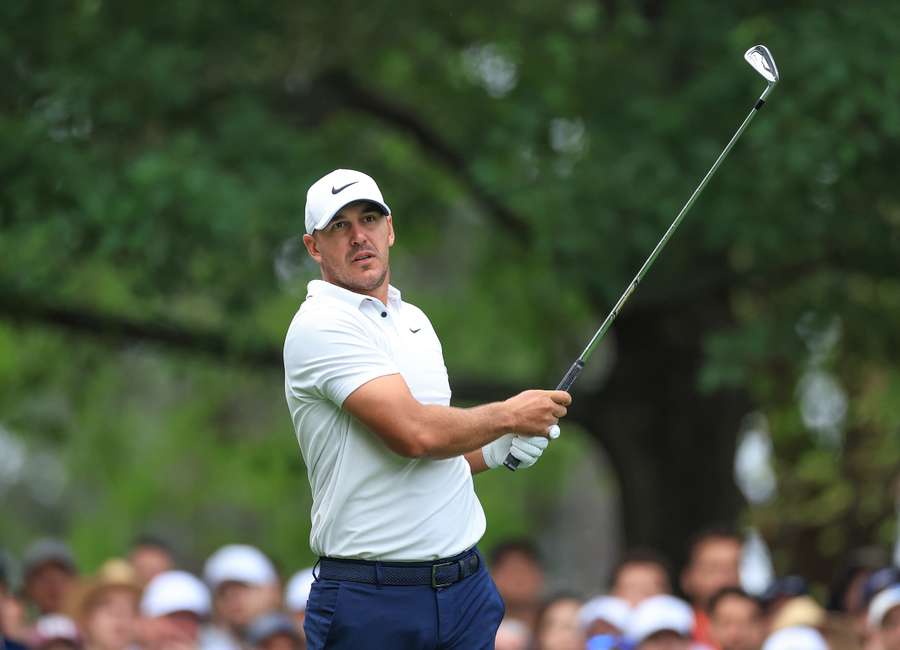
(464, 616)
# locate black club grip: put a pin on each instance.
(511, 462)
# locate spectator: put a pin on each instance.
(605, 616)
(13, 618)
(174, 605)
(8, 637)
(877, 582)
(557, 626)
(50, 574)
(640, 574)
(802, 611)
(781, 591)
(796, 638)
(512, 635)
(56, 632)
(736, 620)
(106, 607)
(847, 585)
(714, 560)
(150, 556)
(296, 593)
(884, 617)
(274, 631)
(244, 585)
(661, 623)
(517, 572)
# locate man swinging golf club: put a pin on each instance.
(395, 518)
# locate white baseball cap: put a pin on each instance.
(610, 609)
(884, 602)
(52, 627)
(296, 593)
(659, 613)
(175, 591)
(335, 190)
(799, 637)
(239, 563)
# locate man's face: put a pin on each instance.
(519, 580)
(111, 622)
(47, 586)
(559, 627)
(238, 603)
(176, 631)
(150, 561)
(737, 624)
(638, 581)
(352, 250)
(665, 640)
(890, 630)
(715, 565)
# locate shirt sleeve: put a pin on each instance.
(331, 357)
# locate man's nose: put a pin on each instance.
(357, 235)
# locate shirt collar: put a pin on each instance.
(351, 298)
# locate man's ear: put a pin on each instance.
(312, 247)
(390, 222)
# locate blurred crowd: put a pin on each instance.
(640, 610)
(146, 602)
(239, 601)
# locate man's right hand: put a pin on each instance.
(533, 412)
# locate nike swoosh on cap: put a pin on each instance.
(341, 189)
(414, 330)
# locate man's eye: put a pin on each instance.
(338, 225)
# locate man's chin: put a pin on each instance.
(366, 281)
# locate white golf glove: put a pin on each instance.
(526, 449)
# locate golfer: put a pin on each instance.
(395, 519)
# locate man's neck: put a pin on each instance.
(380, 292)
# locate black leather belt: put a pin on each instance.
(440, 573)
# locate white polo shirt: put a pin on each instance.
(368, 502)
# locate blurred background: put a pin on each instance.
(154, 166)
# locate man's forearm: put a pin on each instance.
(449, 431)
(417, 430)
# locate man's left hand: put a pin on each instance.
(526, 449)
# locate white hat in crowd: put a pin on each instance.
(175, 591)
(609, 609)
(882, 604)
(239, 563)
(657, 614)
(335, 190)
(799, 637)
(296, 593)
(55, 627)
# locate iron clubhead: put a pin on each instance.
(761, 59)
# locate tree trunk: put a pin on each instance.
(672, 446)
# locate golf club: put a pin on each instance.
(761, 60)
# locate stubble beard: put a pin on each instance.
(344, 281)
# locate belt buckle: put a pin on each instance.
(434, 583)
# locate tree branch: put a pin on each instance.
(110, 328)
(113, 329)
